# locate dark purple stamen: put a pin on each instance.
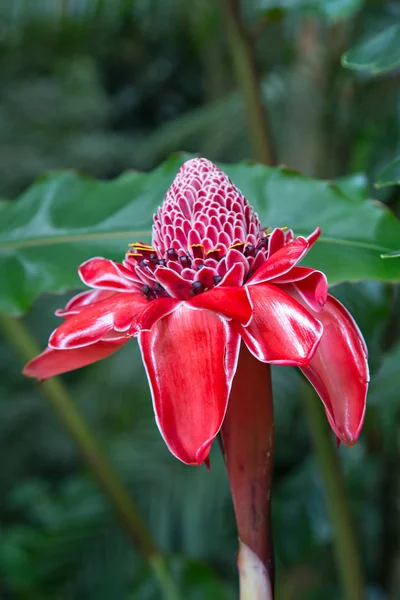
(159, 291)
(250, 250)
(197, 288)
(262, 243)
(171, 254)
(185, 262)
(197, 251)
(148, 292)
(217, 279)
(154, 259)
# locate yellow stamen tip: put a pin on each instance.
(140, 245)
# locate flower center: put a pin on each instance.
(204, 234)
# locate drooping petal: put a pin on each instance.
(97, 320)
(282, 330)
(75, 304)
(312, 285)
(54, 362)
(153, 312)
(339, 371)
(232, 302)
(102, 273)
(281, 261)
(190, 358)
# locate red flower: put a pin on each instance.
(212, 280)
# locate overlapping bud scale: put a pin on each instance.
(205, 234)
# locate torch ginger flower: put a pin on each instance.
(213, 281)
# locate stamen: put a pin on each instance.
(197, 288)
(214, 253)
(148, 292)
(154, 259)
(160, 291)
(262, 243)
(134, 254)
(217, 279)
(172, 255)
(250, 250)
(142, 246)
(197, 250)
(185, 262)
(238, 245)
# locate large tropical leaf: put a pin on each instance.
(377, 54)
(390, 174)
(65, 218)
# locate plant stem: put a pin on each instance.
(246, 73)
(248, 443)
(25, 346)
(345, 544)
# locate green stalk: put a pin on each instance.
(246, 73)
(345, 545)
(25, 346)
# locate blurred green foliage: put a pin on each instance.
(377, 54)
(102, 86)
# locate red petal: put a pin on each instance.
(276, 241)
(75, 305)
(312, 238)
(312, 285)
(232, 302)
(173, 283)
(190, 358)
(281, 262)
(282, 331)
(54, 362)
(339, 371)
(153, 312)
(103, 274)
(97, 320)
(233, 277)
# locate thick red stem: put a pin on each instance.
(248, 443)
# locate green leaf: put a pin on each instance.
(354, 185)
(376, 55)
(4, 204)
(65, 218)
(331, 10)
(384, 399)
(394, 254)
(390, 175)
